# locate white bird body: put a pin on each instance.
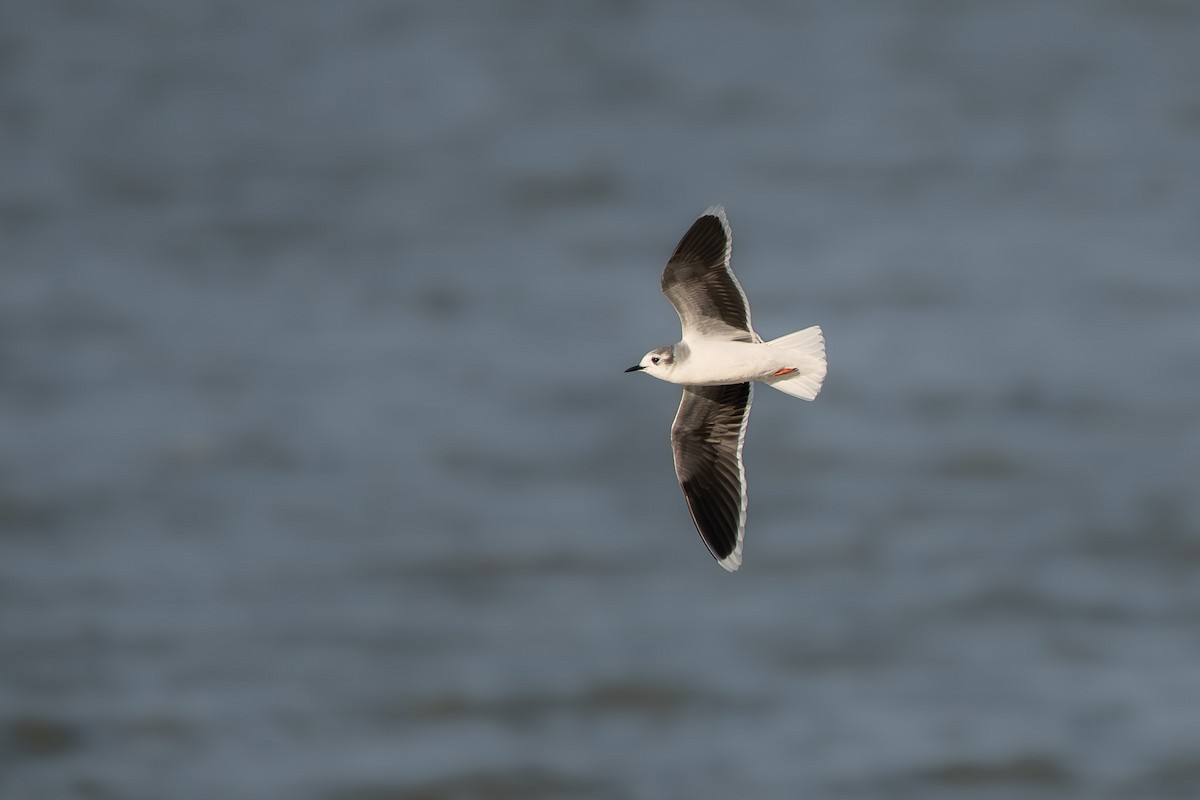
(715, 363)
(794, 364)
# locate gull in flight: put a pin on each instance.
(718, 358)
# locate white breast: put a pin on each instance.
(710, 363)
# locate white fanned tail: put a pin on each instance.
(808, 349)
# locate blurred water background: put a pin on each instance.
(319, 476)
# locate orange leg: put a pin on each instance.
(785, 371)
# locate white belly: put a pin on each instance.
(712, 363)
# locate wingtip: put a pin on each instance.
(732, 562)
(717, 211)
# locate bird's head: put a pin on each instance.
(657, 362)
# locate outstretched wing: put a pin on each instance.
(707, 438)
(699, 283)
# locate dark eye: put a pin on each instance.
(654, 360)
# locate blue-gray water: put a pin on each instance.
(319, 476)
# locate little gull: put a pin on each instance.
(716, 361)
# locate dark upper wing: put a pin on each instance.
(698, 282)
(707, 437)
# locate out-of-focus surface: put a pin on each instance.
(319, 477)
